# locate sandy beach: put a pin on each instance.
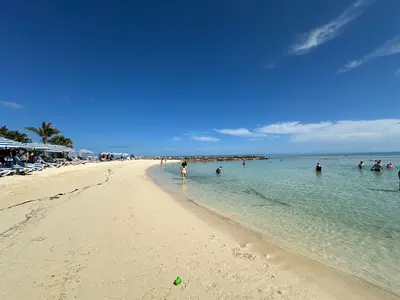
(107, 231)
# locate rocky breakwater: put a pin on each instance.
(220, 158)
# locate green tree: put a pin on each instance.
(46, 131)
(3, 131)
(14, 135)
(62, 141)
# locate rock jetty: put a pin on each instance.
(214, 158)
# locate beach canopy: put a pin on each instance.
(47, 147)
(85, 151)
(9, 144)
(59, 149)
(36, 146)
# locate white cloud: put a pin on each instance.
(205, 138)
(11, 104)
(176, 139)
(291, 127)
(347, 130)
(243, 132)
(270, 66)
(325, 33)
(391, 47)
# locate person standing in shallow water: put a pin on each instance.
(398, 175)
(244, 163)
(377, 167)
(318, 167)
(219, 170)
(184, 170)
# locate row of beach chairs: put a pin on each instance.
(40, 165)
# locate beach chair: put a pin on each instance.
(35, 167)
(47, 164)
(4, 173)
(7, 172)
(22, 170)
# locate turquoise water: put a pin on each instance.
(344, 217)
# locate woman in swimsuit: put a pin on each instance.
(184, 170)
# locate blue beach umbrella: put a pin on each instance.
(10, 144)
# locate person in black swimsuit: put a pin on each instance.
(219, 170)
(318, 167)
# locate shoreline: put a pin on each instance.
(110, 232)
(336, 280)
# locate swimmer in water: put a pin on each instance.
(390, 166)
(244, 163)
(361, 165)
(219, 170)
(318, 167)
(377, 167)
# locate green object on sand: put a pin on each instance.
(178, 281)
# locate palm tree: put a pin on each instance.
(62, 141)
(14, 135)
(45, 132)
(18, 136)
(3, 131)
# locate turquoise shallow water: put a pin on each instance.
(343, 217)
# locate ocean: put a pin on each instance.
(343, 217)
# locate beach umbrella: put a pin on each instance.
(85, 151)
(58, 148)
(10, 144)
(36, 146)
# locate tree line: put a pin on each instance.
(47, 133)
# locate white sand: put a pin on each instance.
(111, 233)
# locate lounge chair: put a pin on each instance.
(5, 172)
(22, 170)
(47, 164)
(36, 167)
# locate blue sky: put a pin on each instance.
(205, 77)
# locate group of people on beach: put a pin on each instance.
(22, 157)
